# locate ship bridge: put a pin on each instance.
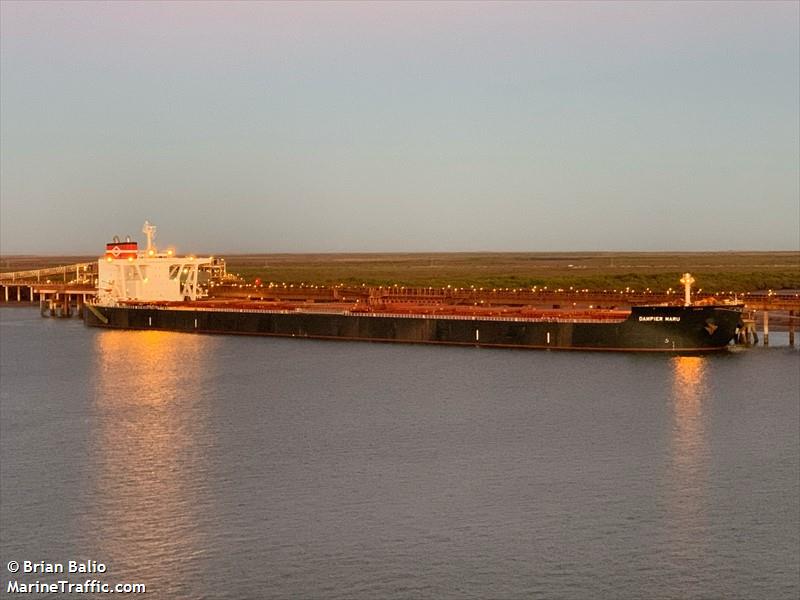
(127, 274)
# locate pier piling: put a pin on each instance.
(748, 334)
(766, 328)
(791, 328)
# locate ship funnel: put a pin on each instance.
(687, 280)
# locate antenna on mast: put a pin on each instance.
(150, 231)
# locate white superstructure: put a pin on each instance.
(127, 274)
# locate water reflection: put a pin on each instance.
(148, 453)
(688, 395)
(688, 472)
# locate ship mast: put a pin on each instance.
(150, 231)
(687, 280)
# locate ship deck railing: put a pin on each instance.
(348, 313)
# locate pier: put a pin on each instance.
(60, 291)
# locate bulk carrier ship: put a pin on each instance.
(148, 289)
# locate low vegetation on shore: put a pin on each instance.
(737, 272)
(658, 271)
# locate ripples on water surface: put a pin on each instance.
(237, 467)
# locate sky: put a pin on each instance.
(418, 127)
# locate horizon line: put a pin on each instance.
(426, 252)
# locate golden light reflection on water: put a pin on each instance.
(688, 471)
(148, 449)
(688, 395)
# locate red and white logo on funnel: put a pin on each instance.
(121, 250)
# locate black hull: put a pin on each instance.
(648, 328)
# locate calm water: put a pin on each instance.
(227, 467)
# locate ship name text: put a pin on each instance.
(658, 318)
